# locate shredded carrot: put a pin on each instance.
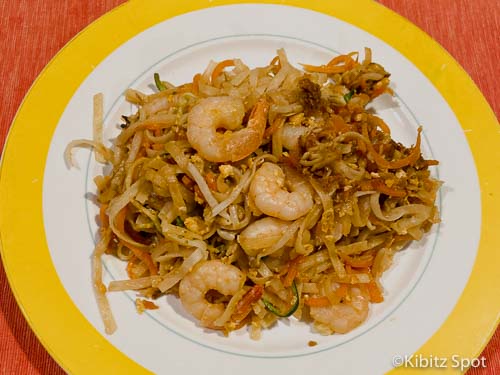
(353, 270)
(365, 260)
(211, 180)
(120, 219)
(351, 54)
(187, 87)
(140, 254)
(198, 195)
(431, 162)
(143, 256)
(342, 291)
(409, 160)
(120, 226)
(276, 62)
(364, 129)
(362, 148)
(324, 69)
(359, 143)
(148, 305)
(376, 221)
(339, 125)
(380, 186)
(381, 90)
(196, 83)
(381, 124)
(364, 289)
(187, 182)
(365, 185)
(292, 271)
(103, 217)
(276, 124)
(153, 126)
(220, 67)
(346, 59)
(372, 290)
(317, 301)
(130, 266)
(157, 146)
(332, 67)
(375, 293)
(244, 306)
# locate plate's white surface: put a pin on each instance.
(422, 287)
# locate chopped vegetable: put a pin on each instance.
(292, 271)
(145, 257)
(376, 295)
(380, 186)
(348, 96)
(409, 160)
(220, 67)
(178, 221)
(196, 83)
(159, 84)
(244, 306)
(142, 305)
(295, 304)
(317, 301)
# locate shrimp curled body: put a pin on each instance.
(285, 195)
(343, 317)
(209, 275)
(262, 234)
(291, 136)
(226, 112)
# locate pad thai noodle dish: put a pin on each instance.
(259, 194)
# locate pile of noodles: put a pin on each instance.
(164, 209)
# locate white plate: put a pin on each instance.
(49, 264)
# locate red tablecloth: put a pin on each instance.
(32, 31)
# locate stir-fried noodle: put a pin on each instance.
(257, 194)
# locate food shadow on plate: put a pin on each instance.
(93, 199)
(383, 102)
(175, 304)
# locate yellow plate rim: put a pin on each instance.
(464, 333)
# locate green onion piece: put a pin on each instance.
(159, 84)
(348, 96)
(294, 307)
(178, 221)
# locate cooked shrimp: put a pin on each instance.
(291, 134)
(262, 234)
(209, 275)
(269, 192)
(345, 316)
(226, 112)
(164, 103)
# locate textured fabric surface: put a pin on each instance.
(32, 31)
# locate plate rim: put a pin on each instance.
(452, 82)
